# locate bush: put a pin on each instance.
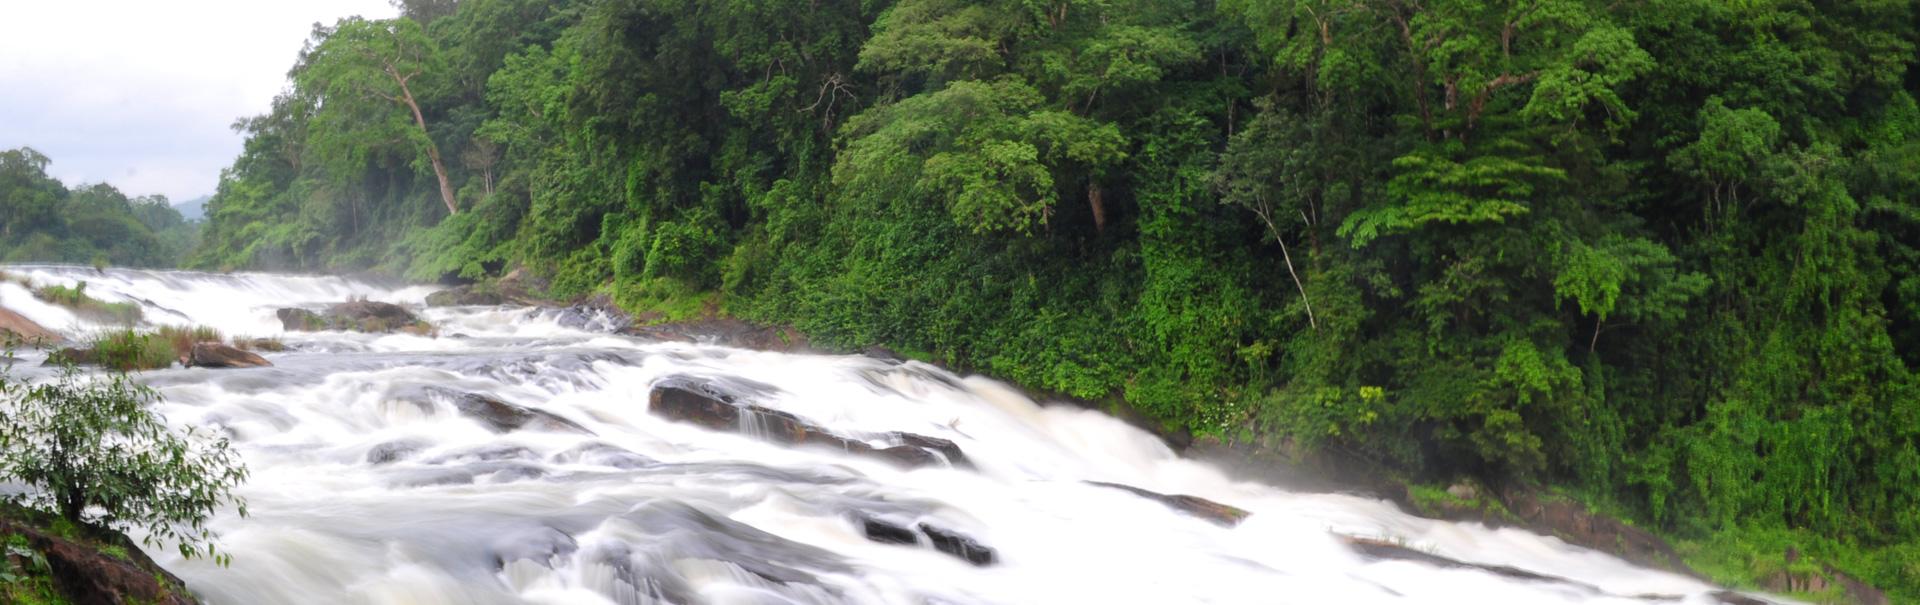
(96, 455)
(125, 350)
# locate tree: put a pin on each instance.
(97, 455)
(380, 62)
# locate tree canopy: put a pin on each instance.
(1661, 255)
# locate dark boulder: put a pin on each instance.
(943, 540)
(958, 545)
(501, 417)
(469, 295)
(887, 533)
(1216, 512)
(1382, 550)
(300, 320)
(946, 448)
(379, 317)
(355, 316)
(694, 403)
(721, 406)
(216, 355)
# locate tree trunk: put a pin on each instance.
(1097, 199)
(433, 151)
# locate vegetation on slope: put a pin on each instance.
(42, 220)
(1658, 253)
(97, 461)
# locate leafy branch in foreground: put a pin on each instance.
(97, 455)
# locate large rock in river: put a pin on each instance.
(355, 316)
(15, 327)
(216, 355)
(1216, 512)
(713, 405)
(501, 417)
(466, 295)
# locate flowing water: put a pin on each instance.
(370, 486)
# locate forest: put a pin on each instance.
(1658, 256)
(42, 220)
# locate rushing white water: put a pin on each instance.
(370, 487)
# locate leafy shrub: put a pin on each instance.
(95, 454)
(126, 350)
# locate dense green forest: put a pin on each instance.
(41, 220)
(1658, 255)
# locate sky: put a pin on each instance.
(142, 94)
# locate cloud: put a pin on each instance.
(142, 94)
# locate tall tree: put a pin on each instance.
(360, 62)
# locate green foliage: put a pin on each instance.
(94, 454)
(42, 220)
(128, 350)
(1663, 252)
(76, 298)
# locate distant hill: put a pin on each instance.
(194, 209)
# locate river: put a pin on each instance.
(370, 486)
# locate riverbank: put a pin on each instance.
(1743, 559)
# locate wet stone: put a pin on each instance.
(952, 543)
(1221, 514)
(394, 451)
(216, 355)
(887, 533)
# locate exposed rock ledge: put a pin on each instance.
(722, 406)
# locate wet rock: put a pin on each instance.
(1575, 523)
(947, 449)
(355, 316)
(1216, 512)
(501, 417)
(887, 533)
(694, 403)
(216, 355)
(270, 345)
(719, 406)
(541, 545)
(601, 454)
(17, 328)
(394, 451)
(1384, 550)
(370, 316)
(908, 456)
(300, 320)
(679, 531)
(469, 295)
(952, 543)
(84, 572)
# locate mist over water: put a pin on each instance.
(370, 486)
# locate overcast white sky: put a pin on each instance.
(141, 93)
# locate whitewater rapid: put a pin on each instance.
(368, 486)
